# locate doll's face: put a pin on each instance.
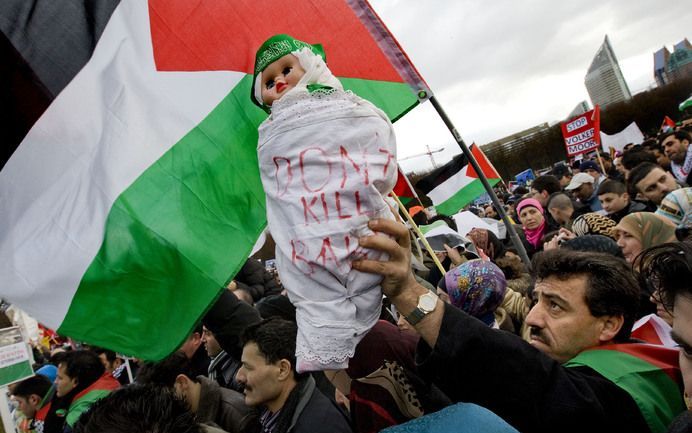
(280, 77)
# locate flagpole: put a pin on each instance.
(464, 148)
(421, 236)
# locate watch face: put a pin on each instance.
(427, 302)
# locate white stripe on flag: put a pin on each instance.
(117, 117)
(451, 186)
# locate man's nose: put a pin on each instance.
(535, 317)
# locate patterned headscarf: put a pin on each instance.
(677, 207)
(476, 287)
(593, 224)
(650, 229)
(488, 242)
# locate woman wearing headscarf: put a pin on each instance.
(637, 232)
(476, 287)
(642, 230)
(533, 221)
(486, 240)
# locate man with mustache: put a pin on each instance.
(580, 372)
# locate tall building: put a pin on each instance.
(669, 67)
(604, 80)
(580, 108)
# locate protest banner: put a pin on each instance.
(582, 133)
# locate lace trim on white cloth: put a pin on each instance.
(298, 104)
(330, 346)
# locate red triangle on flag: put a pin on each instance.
(223, 36)
(402, 188)
(484, 163)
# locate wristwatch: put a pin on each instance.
(426, 305)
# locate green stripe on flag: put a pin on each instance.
(463, 197)
(175, 236)
(659, 398)
(426, 228)
(15, 372)
(395, 99)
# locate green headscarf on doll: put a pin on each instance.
(273, 49)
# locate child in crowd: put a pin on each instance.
(616, 201)
(327, 160)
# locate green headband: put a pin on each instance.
(273, 49)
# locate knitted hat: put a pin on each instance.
(589, 165)
(593, 224)
(273, 49)
(476, 287)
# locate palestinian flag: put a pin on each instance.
(456, 184)
(130, 192)
(649, 373)
(403, 188)
(668, 124)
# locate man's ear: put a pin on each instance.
(182, 383)
(611, 327)
(285, 369)
(626, 195)
(34, 399)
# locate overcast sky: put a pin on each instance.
(499, 67)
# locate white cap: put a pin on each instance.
(578, 180)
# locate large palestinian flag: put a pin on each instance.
(130, 192)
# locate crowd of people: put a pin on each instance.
(595, 334)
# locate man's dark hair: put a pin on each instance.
(668, 268)
(275, 338)
(637, 174)
(520, 190)
(447, 219)
(546, 182)
(636, 156)
(612, 186)
(110, 355)
(83, 365)
(611, 288)
(141, 409)
(606, 156)
(164, 372)
(39, 385)
(680, 135)
(560, 170)
(651, 144)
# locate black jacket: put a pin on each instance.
(315, 413)
(498, 370)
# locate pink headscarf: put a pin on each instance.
(532, 235)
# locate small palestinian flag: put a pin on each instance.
(403, 188)
(456, 184)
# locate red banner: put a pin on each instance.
(583, 133)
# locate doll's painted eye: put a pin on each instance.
(287, 70)
(269, 84)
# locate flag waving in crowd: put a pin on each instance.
(132, 193)
(456, 184)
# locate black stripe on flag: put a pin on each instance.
(44, 44)
(441, 174)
